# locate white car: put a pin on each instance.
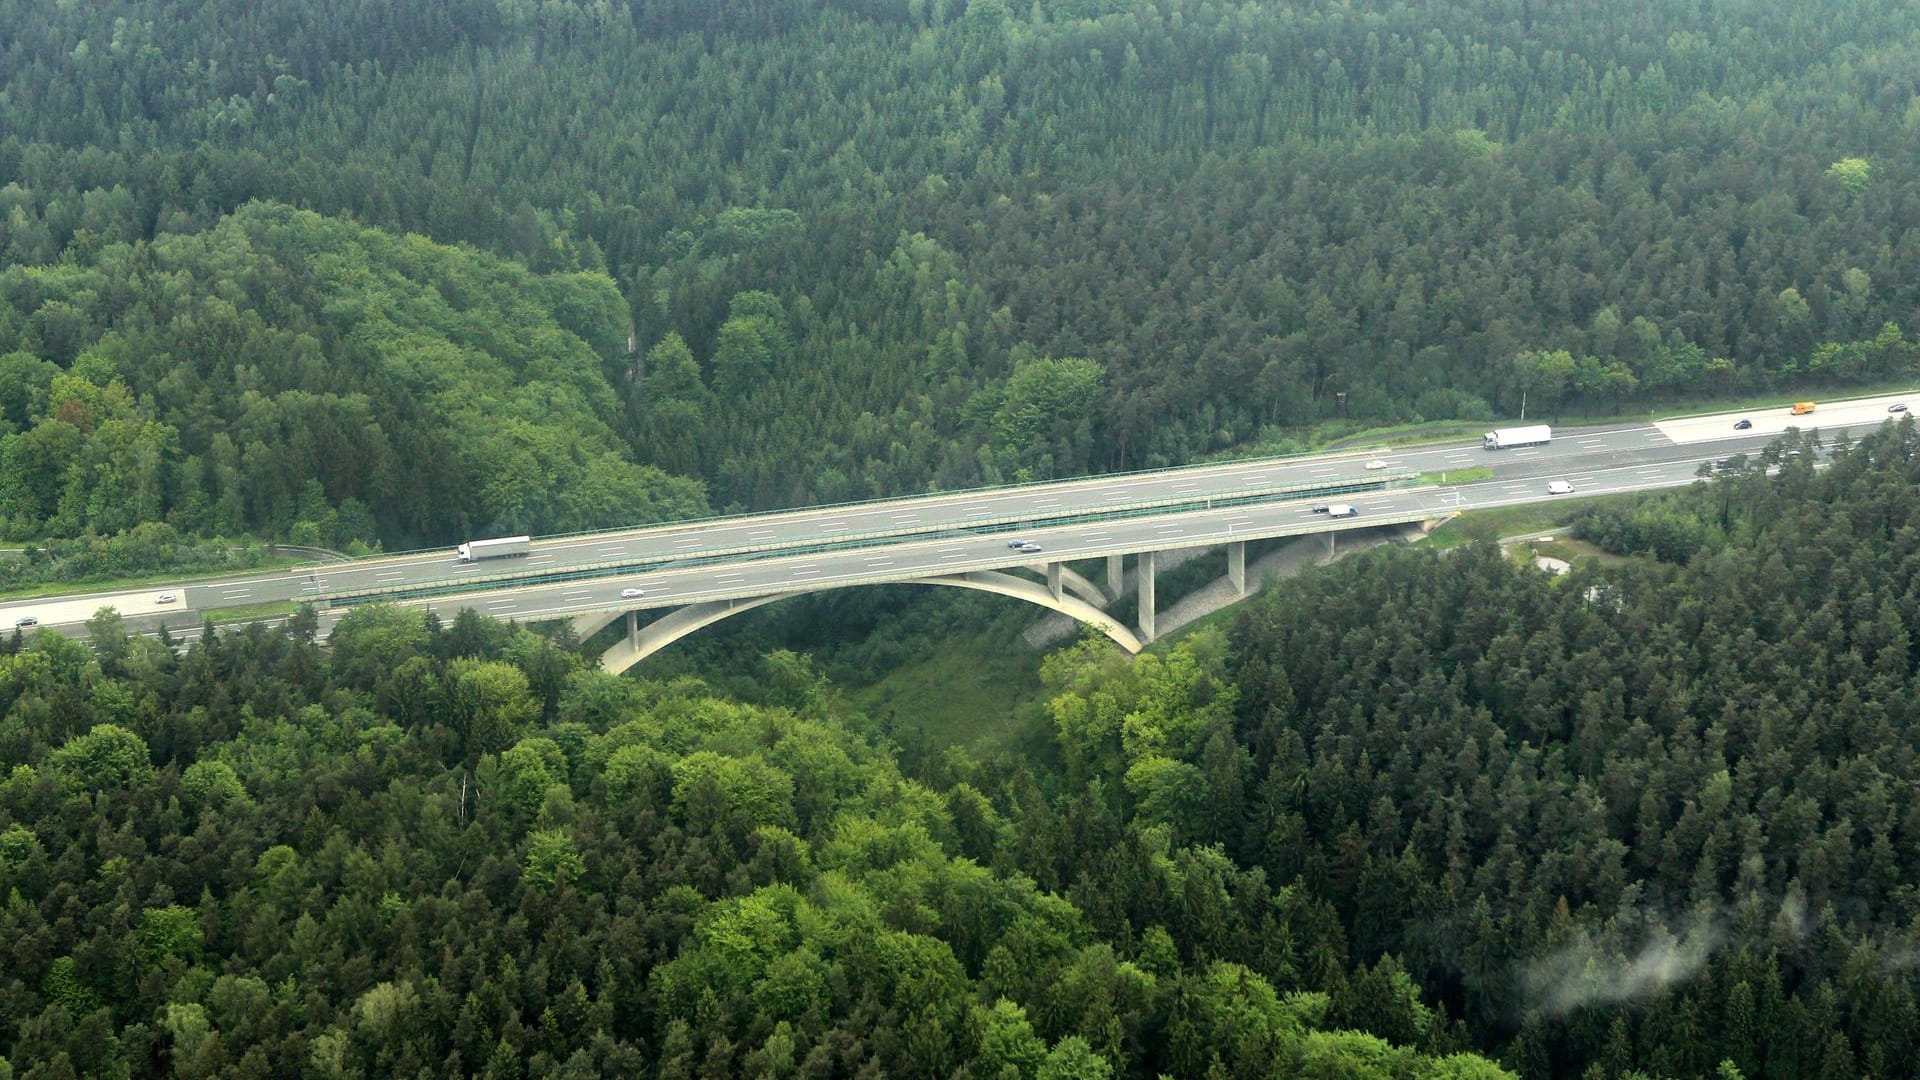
(165, 598)
(632, 594)
(1559, 487)
(1376, 463)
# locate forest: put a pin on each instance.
(829, 249)
(1422, 814)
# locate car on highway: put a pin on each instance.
(1898, 406)
(165, 598)
(1322, 508)
(1376, 463)
(1028, 548)
(26, 621)
(632, 594)
(1722, 465)
(1742, 425)
(1559, 487)
(1340, 510)
(1016, 544)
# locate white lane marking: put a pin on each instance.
(501, 603)
(1117, 497)
(944, 558)
(613, 551)
(688, 540)
(728, 579)
(833, 528)
(879, 562)
(539, 558)
(389, 575)
(1102, 536)
(803, 573)
(1230, 524)
(1169, 528)
(905, 519)
(979, 513)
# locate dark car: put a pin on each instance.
(1016, 544)
(1722, 465)
(1322, 508)
(1743, 425)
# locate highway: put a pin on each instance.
(1594, 459)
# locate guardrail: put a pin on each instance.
(872, 577)
(932, 496)
(851, 542)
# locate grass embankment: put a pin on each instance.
(1455, 476)
(1501, 521)
(247, 612)
(156, 580)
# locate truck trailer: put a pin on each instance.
(497, 548)
(1507, 438)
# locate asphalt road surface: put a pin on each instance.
(1621, 455)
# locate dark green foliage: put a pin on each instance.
(871, 248)
(253, 858)
(1644, 816)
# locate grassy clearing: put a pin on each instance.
(980, 691)
(1502, 521)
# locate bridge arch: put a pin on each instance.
(677, 624)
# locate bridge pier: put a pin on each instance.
(1144, 569)
(1237, 566)
(633, 627)
(1053, 579)
(1116, 574)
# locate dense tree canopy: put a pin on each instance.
(251, 858)
(299, 376)
(844, 230)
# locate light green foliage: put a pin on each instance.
(171, 931)
(1042, 426)
(527, 770)
(718, 791)
(1073, 1059)
(1853, 173)
(487, 703)
(552, 859)
(109, 756)
(382, 1008)
(1007, 1040)
(63, 985)
(211, 784)
(1168, 792)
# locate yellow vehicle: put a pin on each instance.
(1802, 408)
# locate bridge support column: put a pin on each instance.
(1237, 566)
(1116, 574)
(633, 627)
(1144, 568)
(1053, 579)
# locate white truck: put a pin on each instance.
(1507, 438)
(1343, 510)
(497, 548)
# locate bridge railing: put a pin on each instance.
(875, 576)
(848, 542)
(926, 496)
